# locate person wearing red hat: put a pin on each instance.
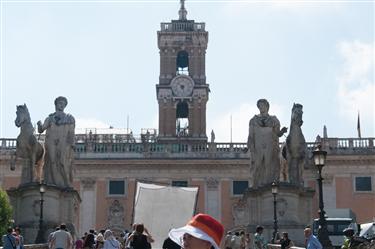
(201, 232)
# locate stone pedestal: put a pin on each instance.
(60, 205)
(294, 210)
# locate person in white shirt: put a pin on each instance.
(61, 239)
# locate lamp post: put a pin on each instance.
(274, 189)
(40, 237)
(319, 161)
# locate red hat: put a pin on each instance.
(201, 226)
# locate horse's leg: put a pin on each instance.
(39, 162)
(32, 165)
(301, 166)
(13, 160)
(292, 170)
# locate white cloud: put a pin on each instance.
(155, 120)
(305, 5)
(299, 7)
(85, 124)
(240, 122)
(356, 80)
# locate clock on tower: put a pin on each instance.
(182, 91)
(182, 86)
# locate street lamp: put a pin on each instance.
(274, 189)
(40, 237)
(319, 161)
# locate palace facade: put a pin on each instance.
(107, 166)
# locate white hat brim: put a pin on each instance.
(177, 233)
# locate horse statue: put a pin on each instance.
(295, 148)
(28, 148)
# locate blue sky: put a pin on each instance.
(103, 57)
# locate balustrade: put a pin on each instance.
(8, 143)
(183, 26)
(113, 143)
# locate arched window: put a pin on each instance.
(182, 119)
(182, 63)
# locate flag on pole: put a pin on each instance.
(359, 127)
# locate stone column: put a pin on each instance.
(329, 190)
(88, 205)
(213, 197)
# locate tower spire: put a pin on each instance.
(182, 12)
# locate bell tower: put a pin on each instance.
(182, 92)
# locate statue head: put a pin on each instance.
(263, 106)
(60, 103)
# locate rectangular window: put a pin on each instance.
(239, 187)
(363, 183)
(116, 187)
(179, 183)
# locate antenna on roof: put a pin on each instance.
(231, 128)
(127, 124)
(359, 126)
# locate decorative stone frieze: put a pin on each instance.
(164, 94)
(240, 213)
(116, 215)
(282, 206)
(328, 179)
(200, 93)
(88, 183)
(212, 183)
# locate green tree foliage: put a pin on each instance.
(5, 212)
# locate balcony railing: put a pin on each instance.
(182, 26)
(120, 144)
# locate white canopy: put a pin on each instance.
(161, 208)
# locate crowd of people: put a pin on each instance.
(242, 240)
(237, 240)
(185, 237)
(139, 238)
(13, 239)
(201, 232)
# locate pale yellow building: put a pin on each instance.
(107, 166)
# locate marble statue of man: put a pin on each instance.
(59, 144)
(263, 143)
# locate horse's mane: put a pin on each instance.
(296, 112)
(296, 107)
(23, 109)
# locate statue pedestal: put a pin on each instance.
(60, 205)
(294, 210)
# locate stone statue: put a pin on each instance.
(296, 147)
(212, 136)
(263, 142)
(59, 126)
(27, 148)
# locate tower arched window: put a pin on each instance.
(182, 63)
(182, 119)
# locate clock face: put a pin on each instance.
(182, 86)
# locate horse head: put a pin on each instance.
(297, 114)
(23, 115)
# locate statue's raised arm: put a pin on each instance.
(43, 126)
